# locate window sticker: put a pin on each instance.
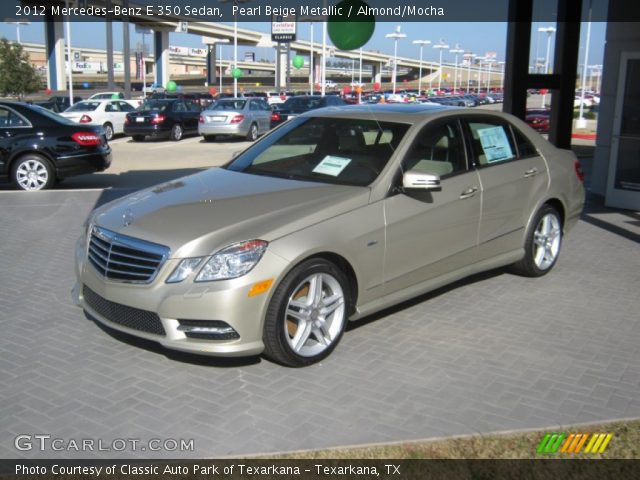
(331, 165)
(495, 144)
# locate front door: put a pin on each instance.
(432, 233)
(623, 184)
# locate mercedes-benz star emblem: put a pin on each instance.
(127, 217)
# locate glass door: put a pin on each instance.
(623, 186)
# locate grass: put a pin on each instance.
(625, 444)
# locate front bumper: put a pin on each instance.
(227, 301)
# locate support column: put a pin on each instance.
(161, 56)
(516, 74)
(317, 65)
(211, 65)
(54, 40)
(110, 76)
(281, 67)
(126, 55)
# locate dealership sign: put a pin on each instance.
(283, 29)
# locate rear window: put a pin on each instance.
(154, 106)
(228, 105)
(84, 107)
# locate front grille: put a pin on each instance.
(130, 317)
(123, 258)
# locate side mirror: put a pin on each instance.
(415, 180)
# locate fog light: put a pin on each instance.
(207, 329)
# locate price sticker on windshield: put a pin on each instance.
(331, 165)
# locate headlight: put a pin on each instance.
(233, 261)
(184, 269)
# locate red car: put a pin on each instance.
(538, 119)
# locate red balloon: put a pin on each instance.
(346, 89)
(376, 86)
(405, 80)
(213, 90)
(48, 91)
(543, 91)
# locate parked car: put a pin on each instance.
(107, 96)
(111, 114)
(240, 117)
(335, 215)
(170, 117)
(274, 98)
(294, 106)
(538, 119)
(57, 103)
(39, 147)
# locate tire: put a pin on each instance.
(313, 333)
(108, 131)
(176, 133)
(542, 244)
(137, 138)
(209, 138)
(252, 136)
(32, 172)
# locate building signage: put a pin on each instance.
(283, 29)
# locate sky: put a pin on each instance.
(478, 37)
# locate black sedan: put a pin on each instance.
(171, 118)
(294, 106)
(39, 147)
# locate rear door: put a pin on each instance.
(13, 127)
(513, 176)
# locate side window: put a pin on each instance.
(491, 141)
(265, 106)
(9, 119)
(111, 107)
(179, 107)
(437, 149)
(253, 106)
(525, 147)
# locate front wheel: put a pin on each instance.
(307, 315)
(542, 244)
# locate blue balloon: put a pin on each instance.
(86, 85)
(179, 88)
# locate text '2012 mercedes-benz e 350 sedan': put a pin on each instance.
(334, 215)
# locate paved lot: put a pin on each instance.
(496, 352)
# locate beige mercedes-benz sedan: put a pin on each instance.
(334, 215)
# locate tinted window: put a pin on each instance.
(492, 142)
(438, 149)
(9, 119)
(154, 106)
(126, 107)
(525, 147)
(228, 105)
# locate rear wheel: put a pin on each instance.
(542, 244)
(307, 314)
(108, 131)
(32, 172)
(137, 138)
(176, 132)
(253, 133)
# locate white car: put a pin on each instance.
(110, 114)
(275, 97)
(586, 102)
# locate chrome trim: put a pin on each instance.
(100, 251)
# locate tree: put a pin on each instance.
(17, 76)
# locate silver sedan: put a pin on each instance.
(242, 117)
(337, 214)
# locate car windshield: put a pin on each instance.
(154, 106)
(228, 105)
(84, 107)
(343, 151)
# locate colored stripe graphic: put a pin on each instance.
(572, 444)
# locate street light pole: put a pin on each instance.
(396, 36)
(422, 43)
(470, 57)
(582, 122)
(440, 46)
(69, 70)
(456, 51)
(18, 23)
(549, 31)
(311, 72)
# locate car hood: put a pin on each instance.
(201, 213)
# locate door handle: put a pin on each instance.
(469, 192)
(532, 172)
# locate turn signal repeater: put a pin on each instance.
(260, 287)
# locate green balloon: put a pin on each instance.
(171, 86)
(298, 61)
(350, 33)
(236, 73)
(115, 96)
